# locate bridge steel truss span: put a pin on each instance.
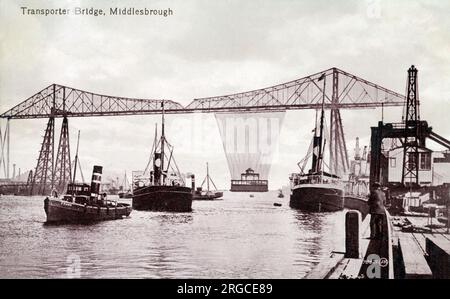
(346, 91)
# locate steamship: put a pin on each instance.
(82, 203)
(166, 190)
(317, 190)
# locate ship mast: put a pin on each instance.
(76, 163)
(320, 159)
(154, 149)
(207, 176)
(162, 144)
(314, 144)
(125, 182)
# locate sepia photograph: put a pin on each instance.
(224, 145)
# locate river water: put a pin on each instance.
(237, 237)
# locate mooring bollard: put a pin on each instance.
(352, 234)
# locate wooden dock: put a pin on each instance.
(423, 247)
(412, 248)
(338, 265)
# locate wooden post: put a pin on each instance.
(448, 214)
(448, 210)
(352, 234)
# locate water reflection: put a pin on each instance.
(173, 218)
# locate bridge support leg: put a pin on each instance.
(43, 179)
(63, 168)
(339, 164)
(4, 148)
(7, 148)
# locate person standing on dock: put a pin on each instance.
(377, 211)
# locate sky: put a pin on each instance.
(209, 48)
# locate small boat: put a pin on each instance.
(166, 190)
(206, 195)
(280, 194)
(82, 203)
(125, 191)
(200, 194)
(317, 190)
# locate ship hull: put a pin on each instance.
(213, 196)
(248, 188)
(163, 198)
(125, 195)
(59, 211)
(317, 198)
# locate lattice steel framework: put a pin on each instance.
(4, 148)
(43, 179)
(410, 174)
(63, 168)
(304, 93)
(59, 101)
(339, 163)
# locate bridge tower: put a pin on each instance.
(49, 174)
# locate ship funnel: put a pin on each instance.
(157, 169)
(193, 182)
(95, 181)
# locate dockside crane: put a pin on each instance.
(412, 133)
